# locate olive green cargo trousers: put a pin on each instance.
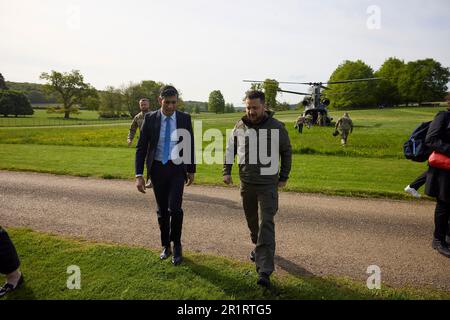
(261, 224)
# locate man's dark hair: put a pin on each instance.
(255, 94)
(168, 91)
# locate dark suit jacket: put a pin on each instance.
(438, 139)
(149, 137)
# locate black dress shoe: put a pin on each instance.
(252, 256)
(165, 253)
(441, 247)
(263, 280)
(447, 239)
(8, 287)
(177, 255)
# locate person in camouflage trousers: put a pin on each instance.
(345, 126)
(259, 186)
(309, 120)
(136, 124)
(299, 123)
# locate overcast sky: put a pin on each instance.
(200, 45)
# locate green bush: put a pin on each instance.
(14, 103)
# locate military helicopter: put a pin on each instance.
(312, 102)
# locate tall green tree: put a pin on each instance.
(257, 86)
(229, 108)
(2, 83)
(270, 87)
(111, 103)
(91, 102)
(388, 92)
(133, 92)
(69, 86)
(14, 103)
(216, 102)
(151, 89)
(352, 95)
(424, 80)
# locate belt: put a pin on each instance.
(169, 162)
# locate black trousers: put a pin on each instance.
(419, 182)
(9, 261)
(168, 185)
(441, 220)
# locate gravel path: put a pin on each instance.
(316, 235)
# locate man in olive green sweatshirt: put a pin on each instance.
(260, 141)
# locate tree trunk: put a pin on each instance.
(67, 107)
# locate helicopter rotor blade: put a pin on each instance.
(287, 82)
(295, 92)
(253, 81)
(318, 83)
(282, 82)
(353, 80)
(354, 91)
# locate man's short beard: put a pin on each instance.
(258, 119)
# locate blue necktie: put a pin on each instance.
(166, 151)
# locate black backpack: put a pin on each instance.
(415, 149)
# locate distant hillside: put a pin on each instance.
(34, 91)
(36, 94)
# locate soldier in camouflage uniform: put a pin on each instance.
(309, 120)
(138, 120)
(345, 125)
(299, 123)
(320, 119)
(259, 188)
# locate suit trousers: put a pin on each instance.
(261, 224)
(9, 261)
(168, 185)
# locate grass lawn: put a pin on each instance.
(377, 134)
(311, 173)
(371, 165)
(119, 272)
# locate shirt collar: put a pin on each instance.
(172, 117)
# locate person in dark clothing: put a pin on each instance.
(9, 264)
(414, 186)
(438, 180)
(170, 165)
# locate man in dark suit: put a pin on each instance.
(167, 142)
